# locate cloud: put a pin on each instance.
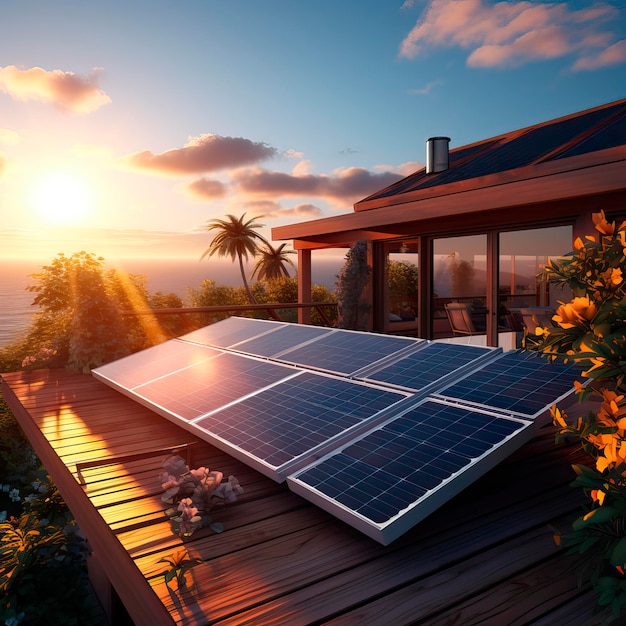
(345, 186)
(8, 137)
(206, 153)
(509, 34)
(63, 89)
(610, 56)
(424, 91)
(206, 189)
(270, 209)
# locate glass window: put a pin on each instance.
(459, 286)
(401, 286)
(525, 297)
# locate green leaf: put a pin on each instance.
(618, 554)
(597, 516)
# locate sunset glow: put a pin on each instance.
(143, 125)
(62, 198)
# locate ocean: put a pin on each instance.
(175, 275)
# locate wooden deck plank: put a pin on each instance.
(486, 553)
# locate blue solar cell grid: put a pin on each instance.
(280, 423)
(430, 364)
(393, 467)
(209, 385)
(346, 352)
(521, 382)
(287, 336)
(227, 332)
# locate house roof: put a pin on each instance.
(565, 160)
(281, 560)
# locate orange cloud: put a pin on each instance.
(270, 209)
(610, 56)
(206, 153)
(346, 187)
(505, 34)
(64, 89)
(206, 189)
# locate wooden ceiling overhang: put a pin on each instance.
(538, 194)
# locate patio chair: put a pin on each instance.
(460, 319)
(533, 317)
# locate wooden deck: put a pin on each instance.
(486, 557)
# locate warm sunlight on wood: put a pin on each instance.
(62, 198)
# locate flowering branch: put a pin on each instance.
(195, 492)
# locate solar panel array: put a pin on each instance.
(379, 430)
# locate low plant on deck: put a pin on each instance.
(195, 492)
(591, 330)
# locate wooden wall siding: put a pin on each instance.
(485, 557)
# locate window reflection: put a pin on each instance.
(459, 286)
(525, 297)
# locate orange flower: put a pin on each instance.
(613, 454)
(602, 226)
(598, 495)
(616, 275)
(575, 312)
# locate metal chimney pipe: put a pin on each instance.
(437, 154)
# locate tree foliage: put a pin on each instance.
(236, 238)
(79, 322)
(273, 262)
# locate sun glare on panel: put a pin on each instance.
(62, 198)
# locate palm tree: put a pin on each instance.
(236, 238)
(273, 262)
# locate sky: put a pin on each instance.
(125, 127)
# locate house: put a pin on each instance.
(479, 222)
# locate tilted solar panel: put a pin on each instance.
(346, 352)
(523, 383)
(281, 427)
(160, 360)
(433, 364)
(387, 480)
(285, 337)
(208, 385)
(231, 330)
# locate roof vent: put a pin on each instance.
(437, 154)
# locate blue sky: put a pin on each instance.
(126, 126)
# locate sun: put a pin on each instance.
(62, 198)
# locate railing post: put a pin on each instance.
(304, 285)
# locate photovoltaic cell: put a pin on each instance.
(287, 336)
(209, 385)
(431, 364)
(346, 352)
(377, 482)
(524, 383)
(163, 359)
(295, 416)
(230, 331)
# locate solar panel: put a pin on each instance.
(387, 480)
(523, 383)
(346, 352)
(358, 438)
(281, 427)
(230, 331)
(149, 364)
(208, 385)
(433, 364)
(285, 337)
